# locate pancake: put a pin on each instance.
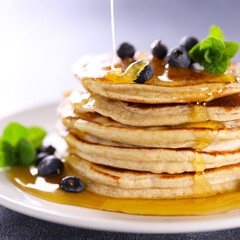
(224, 146)
(147, 159)
(168, 85)
(198, 135)
(133, 184)
(175, 136)
(221, 109)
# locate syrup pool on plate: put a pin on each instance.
(26, 179)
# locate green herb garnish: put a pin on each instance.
(214, 53)
(18, 145)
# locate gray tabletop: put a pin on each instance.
(17, 226)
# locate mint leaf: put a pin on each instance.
(208, 56)
(7, 154)
(2, 156)
(25, 152)
(36, 136)
(215, 31)
(212, 43)
(196, 54)
(217, 67)
(211, 56)
(231, 49)
(13, 133)
(214, 53)
(18, 144)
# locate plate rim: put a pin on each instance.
(216, 222)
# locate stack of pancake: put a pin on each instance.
(177, 135)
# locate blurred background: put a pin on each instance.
(40, 40)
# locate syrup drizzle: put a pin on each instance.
(199, 113)
(116, 75)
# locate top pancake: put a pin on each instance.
(168, 85)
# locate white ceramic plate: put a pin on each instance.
(17, 200)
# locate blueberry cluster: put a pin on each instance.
(178, 57)
(49, 166)
(43, 152)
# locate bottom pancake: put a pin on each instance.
(121, 183)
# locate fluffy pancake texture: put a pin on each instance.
(177, 135)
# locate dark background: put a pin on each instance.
(39, 42)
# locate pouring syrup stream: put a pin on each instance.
(113, 35)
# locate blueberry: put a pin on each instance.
(40, 157)
(49, 149)
(188, 42)
(159, 49)
(179, 57)
(126, 50)
(146, 74)
(50, 166)
(72, 184)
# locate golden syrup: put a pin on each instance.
(198, 162)
(27, 180)
(211, 129)
(96, 67)
(200, 117)
(199, 113)
(131, 73)
(192, 76)
(201, 185)
(168, 77)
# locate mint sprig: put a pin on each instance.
(214, 53)
(18, 145)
